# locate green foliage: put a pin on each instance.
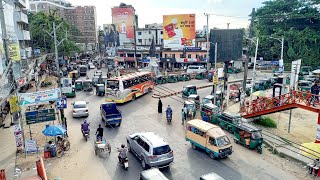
(298, 21)
(41, 22)
(266, 122)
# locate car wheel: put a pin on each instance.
(193, 146)
(144, 164)
(211, 155)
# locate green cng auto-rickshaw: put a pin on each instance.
(249, 136)
(207, 99)
(87, 85)
(195, 98)
(173, 78)
(100, 90)
(103, 80)
(227, 120)
(160, 79)
(72, 93)
(304, 85)
(184, 77)
(78, 84)
(210, 110)
(200, 75)
(191, 108)
(188, 90)
(95, 80)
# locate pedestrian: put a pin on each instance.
(185, 110)
(314, 91)
(182, 116)
(159, 106)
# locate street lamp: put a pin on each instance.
(282, 44)
(215, 70)
(254, 65)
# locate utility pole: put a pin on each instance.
(4, 34)
(228, 25)
(56, 47)
(208, 60)
(215, 73)
(254, 69)
(245, 75)
(135, 46)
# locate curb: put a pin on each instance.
(175, 93)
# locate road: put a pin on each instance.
(141, 116)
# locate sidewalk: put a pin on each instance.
(7, 152)
(284, 148)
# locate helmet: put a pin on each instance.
(85, 121)
(122, 145)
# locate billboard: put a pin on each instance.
(229, 43)
(179, 31)
(123, 19)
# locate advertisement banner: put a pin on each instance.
(179, 31)
(62, 103)
(14, 106)
(18, 135)
(66, 85)
(31, 146)
(14, 52)
(295, 70)
(39, 97)
(123, 19)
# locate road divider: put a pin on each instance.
(176, 93)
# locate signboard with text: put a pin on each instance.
(41, 115)
(31, 146)
(179, 31)
(39, 97)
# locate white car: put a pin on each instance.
(80, 109)
(195, 69)
(91, 65)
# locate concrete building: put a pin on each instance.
(17, 27)
(145, 35)
(83, 17)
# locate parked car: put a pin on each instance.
(91, 65)
(80, 109)
(211, 176)
(151, 149)
(250, 65)
(196, 69)
(152, 174)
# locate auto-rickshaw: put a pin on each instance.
(173, 78)
(188, 90)
(200, 75)
(195, 98)
(78, 84)
(209, 111)
(265, 83)
(227, 120)
(72, 93)
(98, 73)
(191, 108)
(95, 80)
(304, 85)
(87, 85)
(249, 136)
(160, 79)
(74, 74)
(208, 137)
(258, 86)
(100, 90)
(184, 77)
(103, 80)
(207, 99)
(219, 98)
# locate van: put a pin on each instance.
(196, 69)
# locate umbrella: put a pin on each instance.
(260, 93)
(316, 71)
(54, 130)
(313, 153)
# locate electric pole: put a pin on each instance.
(4, 36)
(253, 14)
(208, 60)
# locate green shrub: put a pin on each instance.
(266, 122)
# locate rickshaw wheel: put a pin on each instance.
(193, 146)
(259, 149)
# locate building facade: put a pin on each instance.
(82, 17)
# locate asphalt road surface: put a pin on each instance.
(141, 116)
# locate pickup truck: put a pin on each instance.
(110, 114)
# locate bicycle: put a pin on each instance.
(64, 146)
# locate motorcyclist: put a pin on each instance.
(85, 127)
(169, 111)
(122, 153)
(87, 77)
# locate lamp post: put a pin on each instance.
(254, 66)
(208, 62)
(281, 40)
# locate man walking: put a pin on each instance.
(185, 110)
(159, 106)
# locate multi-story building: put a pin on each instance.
(82, 17)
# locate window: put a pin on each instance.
(181, 56)
(161, 33)
(223, 141)
(161, 40)
(146, 147)
(189, 55)
(197, 131)
(165, 55)
(139, 33)
(149, 32)
(173, 55)
(161, 150)
(212, 141)
(140, 40)
(197, 56)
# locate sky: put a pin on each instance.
(234, 12)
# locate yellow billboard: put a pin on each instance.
(14, 52)
(179, 31)
(14, 106)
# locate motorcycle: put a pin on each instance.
(86, 134)
(124, 163)
(169, 117)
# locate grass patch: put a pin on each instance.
(266, 122)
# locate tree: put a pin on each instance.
(41, 22)
(298, 21)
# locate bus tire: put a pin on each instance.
(133, 97)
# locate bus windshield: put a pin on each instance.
(113, 84)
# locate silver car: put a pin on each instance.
(151, 149)
(80, 109)
(152, 174)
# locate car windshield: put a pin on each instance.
(161, 150)
(77, 106)
(256, 135)
(101, 88)
(223, 141)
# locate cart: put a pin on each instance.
(102, 146)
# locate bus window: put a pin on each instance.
(113, 84)
(212, 141)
